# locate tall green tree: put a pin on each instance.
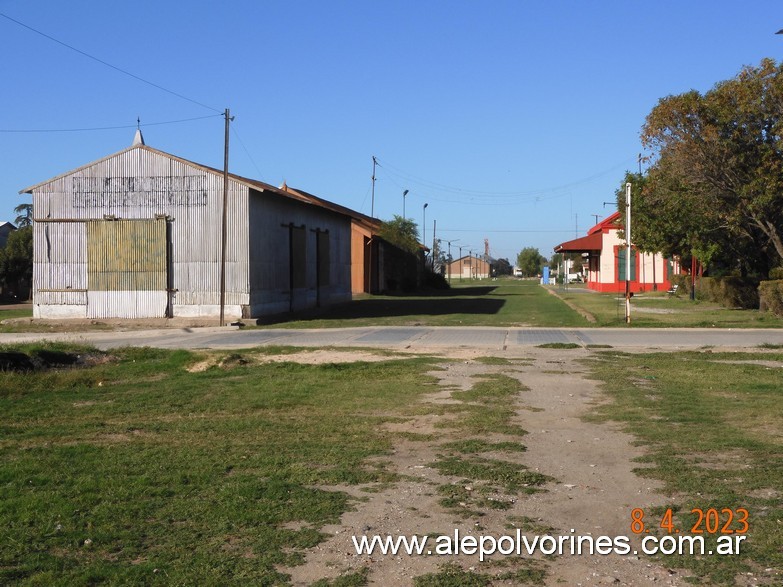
(24, 215)
(716, 180)
(401, 232)
(529, 261)
(16, 259)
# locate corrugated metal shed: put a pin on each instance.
(138, 234)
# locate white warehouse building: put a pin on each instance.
(137, 234)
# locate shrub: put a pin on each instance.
(683, 283)
(771, 296)
(435, 280)
(776, 273)
(729, 291)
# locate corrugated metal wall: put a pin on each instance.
(270, 218)
(140, 183)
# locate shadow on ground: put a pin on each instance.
(467, 300)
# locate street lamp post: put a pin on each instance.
(405, 193)
(424, 224)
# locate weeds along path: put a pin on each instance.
(499, 445)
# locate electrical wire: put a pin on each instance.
(100, 128)
(107, 64)
(247, 152)
(508, 197)
(477, 201)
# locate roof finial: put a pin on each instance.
(138, 139)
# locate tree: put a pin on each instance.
(16, 260)
(401, 232)
(716, 180)
(529, 261)
(24, 216)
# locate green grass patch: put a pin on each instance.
(559, 345)
(135, 470)
(505, 302)
(488, 407)
(493, 361)
(712, 424)
(357, 579)
(478, 445)
(451, 575)
(657, 309)
(512, 477)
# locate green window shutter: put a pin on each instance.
(621, 262)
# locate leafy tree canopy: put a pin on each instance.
(529, 261)
(715, 186)
(24, 215)
(16, 258)
(401, 232)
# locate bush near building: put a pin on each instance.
(771, 296)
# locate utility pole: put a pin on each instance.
(223, 237)
(450, 260)
(434, 244)
(628, 253)
(372, 205)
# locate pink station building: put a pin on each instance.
(604, 255)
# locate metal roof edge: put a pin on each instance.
(255, 184)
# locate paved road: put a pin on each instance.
(417, 337)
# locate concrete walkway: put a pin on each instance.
(414, 337)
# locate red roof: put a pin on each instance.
(608, 222)
(591, 242)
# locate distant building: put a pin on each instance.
(138, 234)
(6, 228)
(469, 267)
(604, 256)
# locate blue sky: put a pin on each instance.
(513, 120)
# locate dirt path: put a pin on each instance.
(592, 492)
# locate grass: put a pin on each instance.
(451, 575)
(481, 483)
(558, 345)
(657, 309)
(137, 471)
(712, 424)
(505, 302)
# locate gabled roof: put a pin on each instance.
(594, 238)
(591, 242)
(607, 223)
(297, 195)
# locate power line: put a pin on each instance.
(107, 64)
(100, 128)
(479, 201)
(249, 156)
(482, 230)
(529, 194)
